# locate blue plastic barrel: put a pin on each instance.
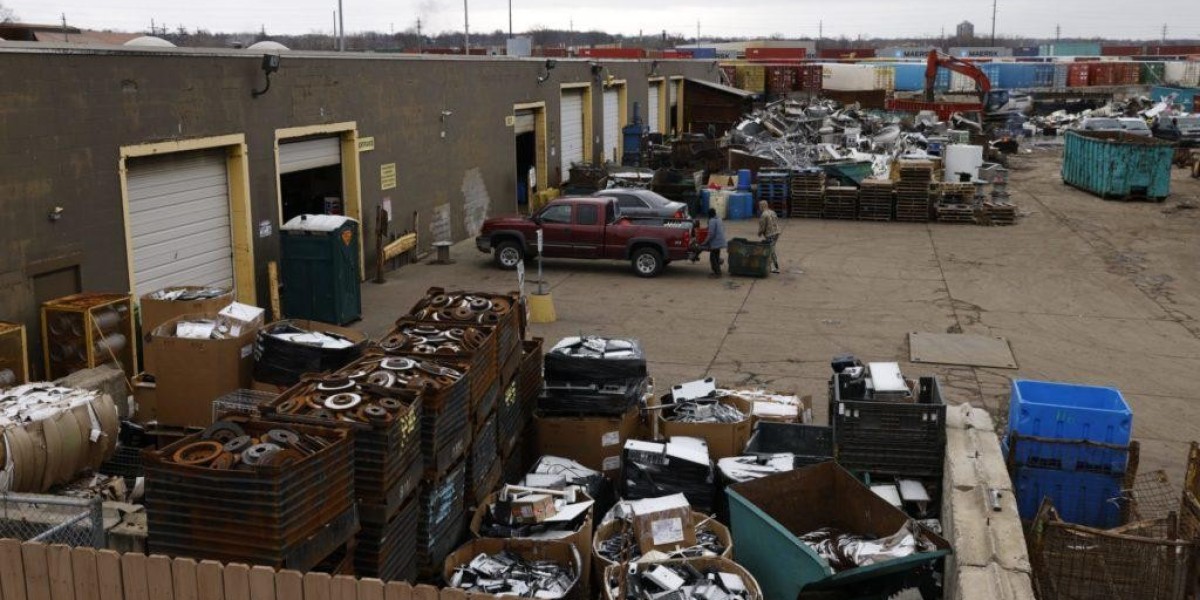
(743, 180)
(705, 194)
(741, 205)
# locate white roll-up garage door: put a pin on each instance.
(612, 126)
(571, 134)
(309, 154)
(654, 110)
(179, 225)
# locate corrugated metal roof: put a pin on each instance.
(723, 88)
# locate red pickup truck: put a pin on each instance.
(589, 228)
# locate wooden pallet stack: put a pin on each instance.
(912, 191)
(875, 200)
(841, 203)
(807, 193)
(773, 187)
(956, 203)
(998, 213)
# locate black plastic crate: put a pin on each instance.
(891, 438)
(810, 444)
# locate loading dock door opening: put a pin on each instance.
(612, 128)
(310, 177)
(526, 150)
(654, 110)
(179, 220)
(571, 134)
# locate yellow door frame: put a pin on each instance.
(241, 223)
(347, 133)
(588, 135)
(664, 103)
(622, 113)
(677, 80)
(541, 159)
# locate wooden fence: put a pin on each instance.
(36, 571)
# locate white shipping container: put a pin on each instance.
(961, 83)
(1182, 73)
(885, 78)
(848, 78)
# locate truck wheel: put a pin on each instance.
(647, 262)
(508, 254)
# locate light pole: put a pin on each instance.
(466, 31)
(341, 28)
(510, 35)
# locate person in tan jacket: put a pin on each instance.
(768, 229)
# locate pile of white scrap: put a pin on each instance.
(52, 434)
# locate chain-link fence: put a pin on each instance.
(52, 519)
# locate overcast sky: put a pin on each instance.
(791, 18)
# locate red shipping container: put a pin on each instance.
(551, 52)
(630, 53)
(1122, 50)
(1174, 50)
(775, 54)
(1077, 74)
(676, 54)
(1102, 74)
(809, 78)
(847, 53)
(730, 73)
(1128, 73)
(781, 80)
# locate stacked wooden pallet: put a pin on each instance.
(957, 193)
(807, 193)
(998, 213)
(912, 191)
(875, 200)
(955, 213)
(841, 203)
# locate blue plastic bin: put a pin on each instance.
(1082, 498)
(705, 194)
(1066, 455)
(1068, 411)
(741, 206)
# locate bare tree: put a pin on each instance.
(7, 15)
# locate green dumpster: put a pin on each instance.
(748, 258)
(320, 269)
(1118, 165)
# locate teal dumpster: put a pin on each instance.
(320, 269)
(1113, 164)
(768, 515)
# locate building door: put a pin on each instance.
(179, 220)
(310, 177)
(571, 124)
(612, 125)
(654, 109)
(525, 128)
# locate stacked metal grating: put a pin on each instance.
(955, 202)
(807, 198)
(875, 202)
(441, 522)
(773, 187)
(841, 202)
(520, 398)
(479, 308)
(475, 345)
(912, 191)
(889, 437)
(388, 551)
(483, 463)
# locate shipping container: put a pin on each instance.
(1078, 74)
(981, 52)
(751, 78)
(551, 52)
(809, 78)
(1107, 50)
(1127, 73)
(1185, 96)
(1101, 74)
(775, 54)
(619, 53)
(781, 80)
(848, 77)
(1062, 75)
(1117, 165)
(1070, 49)
(676, 54)
(1011, 75)
(904, 52)
(1174, 50)
(909, 77)
(846, 53)
(1043, 75)
(705, 53)
(1025, 51)
(730, 73)
(1151, 73)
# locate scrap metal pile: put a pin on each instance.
(508, 574)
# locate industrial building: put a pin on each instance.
(131, 169)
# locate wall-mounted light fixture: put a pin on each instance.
(445, 114)
(56, 213)
(597, 69)
(270, 64)
(550, 64)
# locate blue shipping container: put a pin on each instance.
(1043, 75)
(1069, 411)
(911, 77)
(1184, 96)
(1025, 51)
(704, 52)
(1080, 498)
(1116, 165)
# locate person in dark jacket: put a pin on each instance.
(715, 241)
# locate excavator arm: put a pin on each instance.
(938, 60)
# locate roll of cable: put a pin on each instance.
(282, 352)
(107, 320)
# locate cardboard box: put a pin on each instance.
(156, 312)
(581, 539)
(663, 523)
(240, 318)
(145, 399)
(724, 439)
(557, 552)
(533, 508)
(594, 442)
(194, 372)
(765, 410)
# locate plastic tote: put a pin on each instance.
(768, 515)
(749, 259)
(1118, 165)
(1067, 411)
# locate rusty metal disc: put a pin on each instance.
(424, 349)
(501, 306)
(344, 401)
(489, 318)
(463, 313)
(238, 444)
(282, 458)
(358, 374)
(390, 404)
(398, 364)
(335, 383)
(289, 406)
(455, 333)
(479, 304)
(448, 349)
(257, 453)
(223, 462)
(222, 431)
(282, 437)
(421, 382)
(381, 378)
(439, 300)
(376, 413)
(198, 453)
(393, 341)
(423, 330)
(474, 338)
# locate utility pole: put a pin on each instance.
(466, 31)
(1164, 33)
(64, 23)
(820, 30)
(335, 36)
(993, 22)
(341, 28)
(152, 30)
(697, 33)
(420, 39)
(1057, 32)
(510, 35)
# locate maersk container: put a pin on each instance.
(1184, 96)
(1070, 49)
(910, 77)
(1118, 165)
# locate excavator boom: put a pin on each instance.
(938, 60)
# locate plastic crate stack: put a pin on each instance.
(912, 191)
(773, 188)
(875, 200)
(999, 210)
(955, 202)
(1072, 444)
(893, 438)
(807, 198)
(841, 202)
